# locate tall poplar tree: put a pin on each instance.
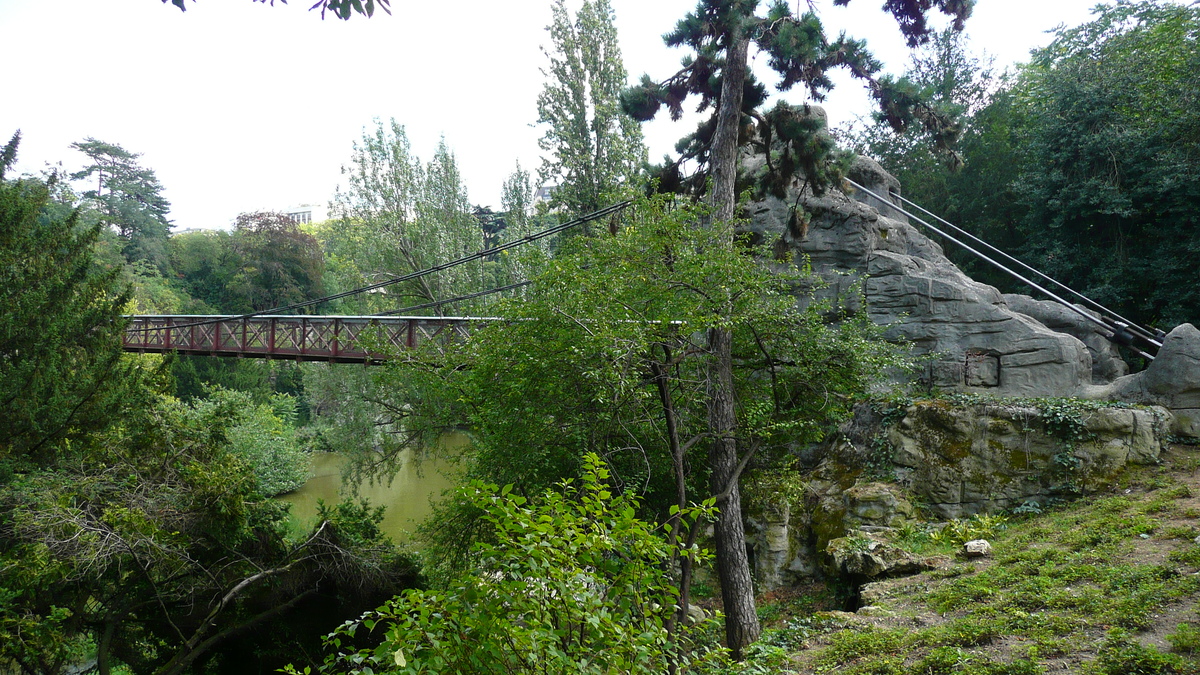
(593, 147)
(399, 215)
(720, 33)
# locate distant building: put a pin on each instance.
(543, 194)
(308, 213)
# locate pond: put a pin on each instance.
(409, 498)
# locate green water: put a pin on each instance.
(409, 497)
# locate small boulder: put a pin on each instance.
(858, 556)
(977, 548)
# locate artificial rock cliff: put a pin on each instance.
(955, 459)
(979, 340)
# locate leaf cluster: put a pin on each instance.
(342, 9)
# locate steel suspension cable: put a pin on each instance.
(439, 303)
(595, 215)
(1002, 268)
(1147, 334)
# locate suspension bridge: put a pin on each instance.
(333, 339)
(276, 334)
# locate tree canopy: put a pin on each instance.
(61, 373)
(128, 198)
(720, 32)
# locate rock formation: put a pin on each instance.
(956, 460)
(978, 343)
(977, 339)
(1172, 380)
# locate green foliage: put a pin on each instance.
(261, 378)
(1058, 583)
(1060, 417)
(1063, 572)
(761, 659)
(1121, 654)
(1185, 639)
(399, 215)
(279, 263)
(595, 149)
(572, 582)
(1082, 163)
(801, 54)
(263, 435)
(62, 376)
(943, 72)
(959, 531)
(342, 9)
(158, 538)
(207, 263)
(1112, 128)
(152, 293)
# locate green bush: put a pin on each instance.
(571, 583)
(1123, 655)
(1185, 639)
(261, 434)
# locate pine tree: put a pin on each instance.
(594, 147)
(720, 33)
(129, 199)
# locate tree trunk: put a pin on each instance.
(733, 564)
(103, 660)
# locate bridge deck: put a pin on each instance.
(336, 339)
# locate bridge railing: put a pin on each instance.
(338, 339)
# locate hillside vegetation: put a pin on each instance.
(1107, 584)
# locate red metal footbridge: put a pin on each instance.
(333, 339)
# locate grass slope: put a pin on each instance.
(1105, 585)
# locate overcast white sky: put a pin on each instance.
(240, 106)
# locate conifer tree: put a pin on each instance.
(61, 376)
(720, 33)
(593, 147)
(129, 199)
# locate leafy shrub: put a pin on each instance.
(1120, 654)
(573, 583)
(261, 434)
(1185, 639)
(980, 526)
